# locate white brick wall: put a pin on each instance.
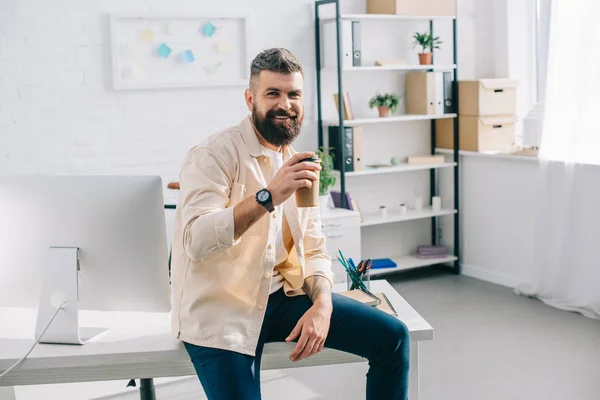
(59, 113)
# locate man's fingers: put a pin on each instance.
(299, 156)
(306, 165)
(299, 347)
(308, 349)
(320, 347)
(305, 175)
(295, 332)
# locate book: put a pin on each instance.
(383, 263)
(348, 113)
(429, 250)
(428, 159)
(361, 296)
(384, 303)
(337, 200)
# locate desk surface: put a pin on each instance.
(140, 345)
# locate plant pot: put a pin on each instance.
(384, 112)
(324, 201)
(425, 58)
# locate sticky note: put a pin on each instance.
(128, 51)
(132, 72)
(147, 35)
(137, 71)
(223, 47)
(209, 29)
(188, 57)
(212, 69)
(163, 50)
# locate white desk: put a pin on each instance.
(141, 346)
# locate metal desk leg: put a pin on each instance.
(147, 389)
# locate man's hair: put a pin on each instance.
(274, 60)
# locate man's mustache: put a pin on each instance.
(281, 113)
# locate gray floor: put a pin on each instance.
(490, 344)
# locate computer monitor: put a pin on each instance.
(94, 242)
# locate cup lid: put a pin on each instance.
(314, 159)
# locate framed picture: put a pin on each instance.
(155, 51)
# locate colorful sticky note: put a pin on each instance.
(188, 57)
(209, 29)
(163, 50)
(147, 35)
(223, 47)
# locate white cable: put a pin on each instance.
(37, 340)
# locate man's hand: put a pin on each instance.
(292, 176)
(313, 328)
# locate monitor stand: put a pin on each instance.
(61, 285)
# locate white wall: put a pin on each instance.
(59, 114)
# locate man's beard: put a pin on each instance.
(276, 133)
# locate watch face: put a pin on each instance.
(263, 195)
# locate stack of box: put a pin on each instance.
(487, 111)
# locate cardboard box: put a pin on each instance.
(487, 97)
(413, 7)
(481, 134)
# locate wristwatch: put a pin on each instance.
(264, 198)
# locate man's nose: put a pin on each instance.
(285, 103)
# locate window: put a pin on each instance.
(532, 123)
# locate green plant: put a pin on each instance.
(388, 100)
(426, 41)
(326, 180)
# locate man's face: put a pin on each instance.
(277, 106)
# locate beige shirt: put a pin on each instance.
(220, 286)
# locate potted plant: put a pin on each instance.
(428, 43)
(326, 179)
(385, 103)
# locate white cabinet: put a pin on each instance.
(342, 231)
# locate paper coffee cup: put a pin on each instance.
(309, 197)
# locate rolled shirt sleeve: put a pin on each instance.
(317, 260)
(206, 182)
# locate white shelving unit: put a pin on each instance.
(393, 68)
(397, 118)
(399, 168)
(387, 17)
(411, 262)
(370, 221)
(394, 216)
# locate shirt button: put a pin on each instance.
(261, 307)
(265, 160)
(267, 276)
(275, 215)
(270, 245)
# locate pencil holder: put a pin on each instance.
(365, 278)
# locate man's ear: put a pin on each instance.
(249, 98)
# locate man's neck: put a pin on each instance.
(262, 140)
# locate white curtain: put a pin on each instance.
(567, 228)
(571, 129)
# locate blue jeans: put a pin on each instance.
(355, 328)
